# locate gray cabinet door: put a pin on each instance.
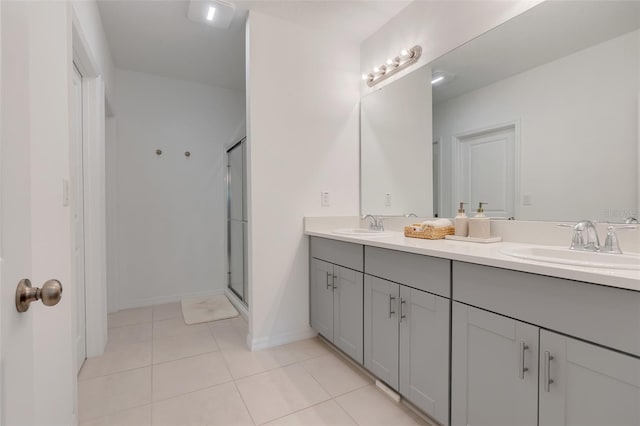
(592, 386)
(381, 329)
(424, 351)
(322, 298)
(489, 384)
(347, 312)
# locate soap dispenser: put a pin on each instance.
(480, 224)
(461, 222)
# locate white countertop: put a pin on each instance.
(490, 255)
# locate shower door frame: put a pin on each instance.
(242, 145)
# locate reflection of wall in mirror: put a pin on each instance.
(579, 132)
(396, 151)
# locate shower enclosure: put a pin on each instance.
(237, 220)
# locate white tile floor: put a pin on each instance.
(158, 371)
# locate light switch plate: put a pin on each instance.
(324, 199)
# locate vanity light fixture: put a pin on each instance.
(393, 65)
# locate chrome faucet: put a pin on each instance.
(611, 244)
(376, 222)
(585, 236)
(630, 220)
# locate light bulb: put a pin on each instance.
(365, 77)
(376, 70)
(389, 61)
(404, 52)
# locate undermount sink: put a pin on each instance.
(573, 257)
(362, 232)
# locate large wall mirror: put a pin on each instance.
(538, 118)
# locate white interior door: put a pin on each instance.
(37, 367)
(487, 171)
(77, 208)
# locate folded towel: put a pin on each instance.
(441, 223)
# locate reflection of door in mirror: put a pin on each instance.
(487, 170)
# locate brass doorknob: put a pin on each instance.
(50, 294)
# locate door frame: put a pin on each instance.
(456, 150)
(93, 114)
(239, 303)
(72, 191)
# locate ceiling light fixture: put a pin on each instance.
(439, 77)
(393, 65)
(210, 13)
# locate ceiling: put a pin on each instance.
(156, 37)
(519, 44)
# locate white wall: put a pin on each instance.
(578, 132)
(169, 208)
(437, 26)
(303, 91)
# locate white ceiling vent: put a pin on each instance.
(215, 13)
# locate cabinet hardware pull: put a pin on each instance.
(521, 368)
(402, 315)
(335, 280)
(328, 275)
(547, 371)
(391, 298)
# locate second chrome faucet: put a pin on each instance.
(585, 237)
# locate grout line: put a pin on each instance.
(246, 407)
(126, 325)
(92, 419)
(343, 408)
(191, 391)
(123, 409)
(114, 372)
(302, 409)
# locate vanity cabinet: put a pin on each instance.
(381, 331)
(406, 329)
(582, 384)
(494, 368)
(495, 379)
(336, 296)
(510, 368)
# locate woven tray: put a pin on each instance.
(429, 232)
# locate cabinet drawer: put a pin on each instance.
(604, 315)
(340, 253)
(424, 273)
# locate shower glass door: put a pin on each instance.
(237, 220)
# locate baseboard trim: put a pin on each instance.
(256, 344)
(168, 299)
